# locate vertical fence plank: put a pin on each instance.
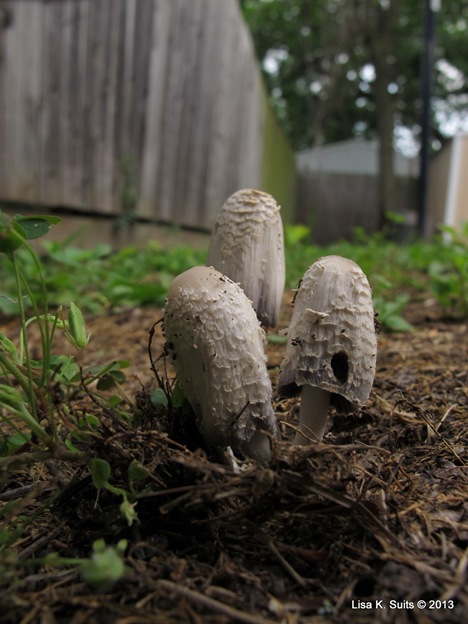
(30, 102)
(51, 127)
(111, 166)
(95, 90)
(219, 182)
(8, 110)
(75, 68)
(199, 114)
(142, 44)
(125, 81)
(20, 99)
(150, 202)
(177, 68)
(195, 109)
(69, 97)
(105, 45)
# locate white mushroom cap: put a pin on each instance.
(216, 342)
(247, 246)
(332, 341)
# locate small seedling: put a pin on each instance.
(101, 473)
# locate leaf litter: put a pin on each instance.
(378, 511)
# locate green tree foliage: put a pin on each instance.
(452, 67)
(341, 68)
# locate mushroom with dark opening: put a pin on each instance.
(247, 245)
(332, 346)
(216, 343)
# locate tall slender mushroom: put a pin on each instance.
(216, 344)
(247, 246)
(332, 346)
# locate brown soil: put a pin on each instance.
(377, 512)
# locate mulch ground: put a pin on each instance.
(371, 525)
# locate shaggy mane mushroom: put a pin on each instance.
(247, 245)
(216, 344)
(332, 346)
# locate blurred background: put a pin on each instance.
(128, 116)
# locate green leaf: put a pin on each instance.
(90, 421)
(65, 368)
(276, 339)
(69, 442)
(106, 565)
(114, 400)
(296, 233)
(12, 235)
(109, 375)
(177, 396)
(137, 472)
(100, 472)
(395, 217)
(158, 398)
(35, 227)
(397, 323)
(9, 347)
(19, 439)
(110, 380)
(11, 398)
(115, 365)
(14, 442)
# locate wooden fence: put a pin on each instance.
(152, 107)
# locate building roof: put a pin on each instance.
(354, 156)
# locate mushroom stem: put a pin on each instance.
(258, 447)
(312, 414)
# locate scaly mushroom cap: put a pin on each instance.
(247, 246)
(332, 341)
(216, 343)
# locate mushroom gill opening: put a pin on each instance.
(340, 366)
